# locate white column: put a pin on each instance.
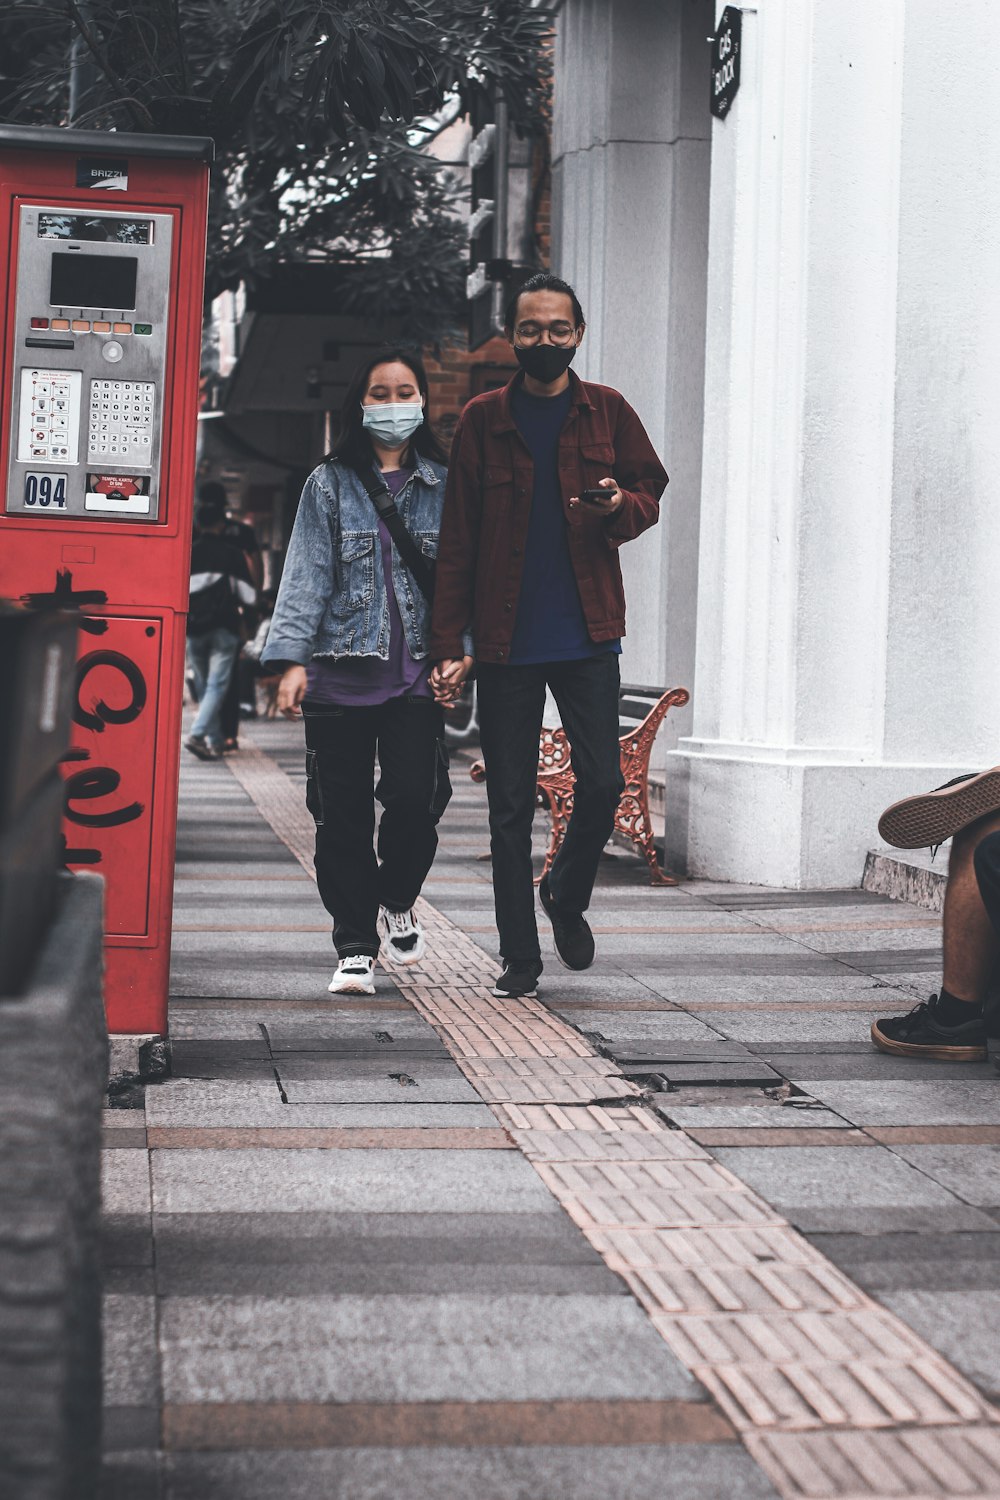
(849, 553)
(630, 232)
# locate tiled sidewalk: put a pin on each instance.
(431, 1245)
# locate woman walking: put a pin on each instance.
(350, 632)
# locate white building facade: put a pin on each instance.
(802, 303)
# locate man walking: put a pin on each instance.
(548, 477)
(220, 583)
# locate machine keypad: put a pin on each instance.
(50, 409)
(121, 420)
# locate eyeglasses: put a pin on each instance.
(559, 334)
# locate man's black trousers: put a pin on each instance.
(511, 705)
(341, 744)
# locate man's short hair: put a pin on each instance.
(213, 493)
(544, 281)
(209, 513)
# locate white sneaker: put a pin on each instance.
(404, 936)
(354, 976)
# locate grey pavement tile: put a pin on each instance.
(678, 1472)
(920, 961)
(277, 859)
(764, 898)
(758, 1027)
(970, 1172)
(276, 957)
(784, 959)
(202, 1065)
(337, 1067)
(636, 1025)
(131, 1371)
(867, 1192)
(361, 1043)
(832, 984)
(126, 1241)
(893, 941)
(276, 944)
(372, 1091)
(130, 1428)
(132, 1476)
(289, 983)
(370, 1181)
(749, 1072)
(718, 946)
(887, 917)
(203, 1021)
(204, 1104)
(125, 1181)
(194, 895)
(401, 1348)
(914, 1262)
(376, 1254)
(744, 1116)
(813, 1175)
(948, 1102)
(964, 1326)
(870, 1066)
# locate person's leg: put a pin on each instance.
(221, 647)
(230, 710)
(340, 770)
(949, 1027)
(586, 693)
(414, 790)
(970, 939)
(197, 652)
(511, 704)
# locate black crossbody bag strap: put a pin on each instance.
(419, 566)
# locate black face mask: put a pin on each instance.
(544, 362)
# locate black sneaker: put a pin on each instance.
(199, 746)
(573, 938)
(518, 981)
(919, 1034)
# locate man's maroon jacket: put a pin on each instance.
(488, 502)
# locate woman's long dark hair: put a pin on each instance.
(352, 444)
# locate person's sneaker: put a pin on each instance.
(404, 936)
(517, 982)
(927, 819)
(354, 976)
(920, 1034)
(570, 930)
(199, 746)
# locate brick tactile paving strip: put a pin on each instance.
(834, 1397)
(922, 1465)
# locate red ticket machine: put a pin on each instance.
(102, 262)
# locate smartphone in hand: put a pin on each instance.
(595, 497)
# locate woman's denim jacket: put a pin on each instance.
(332, 600)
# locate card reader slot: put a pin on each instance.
(50, 343)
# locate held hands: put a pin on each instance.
(603, 507)
(291, 691)
(447, 677)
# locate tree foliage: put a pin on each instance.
(319, 110)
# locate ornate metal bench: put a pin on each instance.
(556, 779)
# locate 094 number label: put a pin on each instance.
(45, 492)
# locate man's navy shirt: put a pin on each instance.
(550, 623)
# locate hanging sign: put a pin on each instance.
(726, 62)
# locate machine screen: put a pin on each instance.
(102, 281)
(96, 227)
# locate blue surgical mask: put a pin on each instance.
(393, 422)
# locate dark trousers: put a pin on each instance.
(413, 788)
(511, 704)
